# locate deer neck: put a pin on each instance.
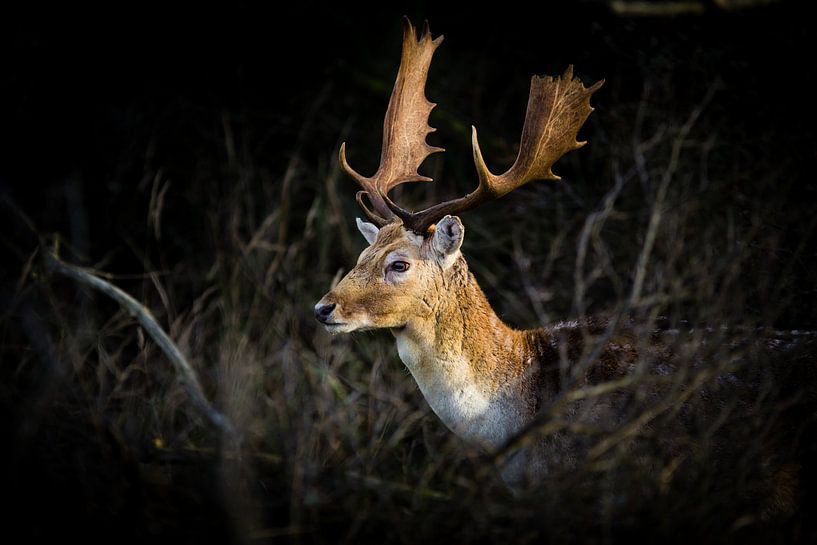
(469, 365)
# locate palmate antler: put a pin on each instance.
(557, 108)
(404, 129)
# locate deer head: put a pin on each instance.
(405, 270)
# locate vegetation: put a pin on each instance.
(200, 173)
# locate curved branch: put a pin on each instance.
(186, 373)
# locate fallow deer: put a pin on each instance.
(485, 380)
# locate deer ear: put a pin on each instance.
(447, 238)
(368, 230)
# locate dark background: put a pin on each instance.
(100, 95)
(154, 138)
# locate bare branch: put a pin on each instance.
(146, 319)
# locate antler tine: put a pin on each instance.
(557, 108)
(371, 216)
(369, 189)
(405, 128)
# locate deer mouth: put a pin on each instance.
(337, 327)
(343, 327)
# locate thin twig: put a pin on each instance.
(660, 197)
(376, 483)
(186, 373)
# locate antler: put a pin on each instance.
(404, 129)
(557, 108)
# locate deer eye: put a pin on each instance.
(399, 266)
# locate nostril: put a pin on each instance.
(322, 312)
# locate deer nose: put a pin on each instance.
(322, 312)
